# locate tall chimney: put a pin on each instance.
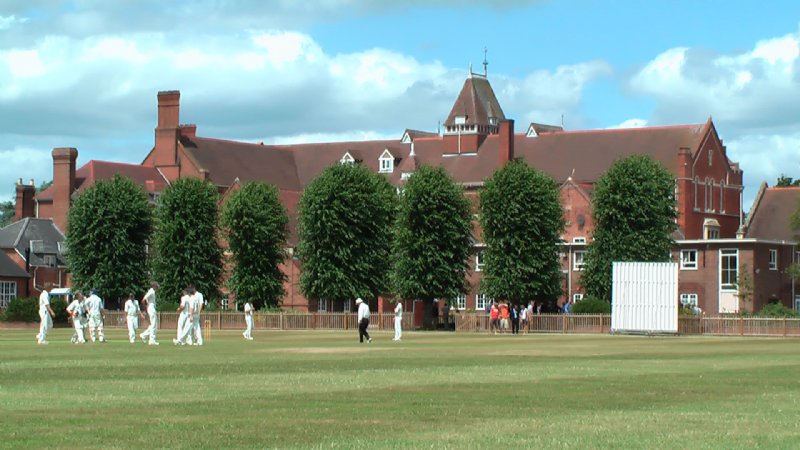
(168, 129)
(506, 141)
(685, 162)
(63, 184)
(24, 204)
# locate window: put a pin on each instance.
(728, 269)
(479, 264)
(461, 120)
(710, 156)
(8, 292)
(696, 187)
(347, 159)
(722, 196)
(579, 240)
(481, 302)
(688, 259)
(224, 303)
(796, 256)
(710, 229)
(50, 260)
(493, 121)
(461, 302)
(406, 175)
(576, 298)
(577, 262)
(322, 306)
(347, 305)
(773, 259)
(688, 300)
(709, 206)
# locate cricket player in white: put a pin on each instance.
(184, 316)
(132, 313)
(197, 308)
(149, 302)
(248, 319)
(94, 309)
(398, 321)
(46, 315)
(77, 312)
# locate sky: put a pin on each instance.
(85, 73)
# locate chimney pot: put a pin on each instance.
(19, 181)
(32, 183)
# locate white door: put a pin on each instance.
(728, 280)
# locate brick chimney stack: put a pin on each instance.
(168, 129)
(684, 162)
(24, 205)
(506, 141)
(63, 184)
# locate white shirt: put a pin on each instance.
(398, 311)
(75, 308)
(44, 302)
(132, 307)
(248, 309)
(197, 303)
(150, 296)
(186, 305)
(523, 313)
(93, 305)
(363, 311)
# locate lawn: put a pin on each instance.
(433, 390)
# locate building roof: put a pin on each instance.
(477, 102)
(91, 172)
(770, 216)
(43, 232)
(8, 269)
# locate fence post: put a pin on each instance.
(563, 323)
(784, 327)
(741, 326)
(219, 319)
(280, 320)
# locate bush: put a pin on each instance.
(776, 310)
(591, 305)
(23, 310)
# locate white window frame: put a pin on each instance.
(686, 263)
(347, 159)
(482, 301)
(460, 302)
(8, 292)
(722, 196)
(347, 306)
(727, 254)
(696, 188)
(689, 299)
(322, 306)
(773, 259)
(578, 263)
(579, 240)
(460, 120)
(577, 297)
(50, 260)
(479, 264)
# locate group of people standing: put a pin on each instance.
(85, 313)
(133, 312)
(502, 315)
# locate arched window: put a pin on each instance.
(708, 196)
(722, 196)
(696, 187)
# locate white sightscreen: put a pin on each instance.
(644, 297)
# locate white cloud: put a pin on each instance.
(307, 138)
(7, 22)
(763, 157)
(26, 162)
(630, 123)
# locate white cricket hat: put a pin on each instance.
(358, 300)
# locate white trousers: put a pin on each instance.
(186, 330)
(181, 324)
(96, 327)
(248, 319)
(45, 326)
(151, 331)
(398, 328)
(198, 332)
(77, 335)
(133, 324)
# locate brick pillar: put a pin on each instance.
(63, 184)
(24, 204)
(168, 130)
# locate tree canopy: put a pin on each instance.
(255, 223)
(634, 217)
(433, 240)
(185, 240)
(522, 221)
(345, 220)
(108, 228)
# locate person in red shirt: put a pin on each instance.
(494, 318)
(503, 317)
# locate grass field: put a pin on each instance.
(433, 390)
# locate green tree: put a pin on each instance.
(634, 217)
(7, 211)
(522, 222)
(345, 228)
(185, 240)
(108, 227)
(432, 244)
(784, 181)
(255, 223)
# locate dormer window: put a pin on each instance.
(386, 162)
(461, 120)
(493, 121)
(347, 159)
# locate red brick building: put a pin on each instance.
(476, 139)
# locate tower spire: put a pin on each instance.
(485, 62)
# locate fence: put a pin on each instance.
(474, 323)
(223, 320)
(591, 323)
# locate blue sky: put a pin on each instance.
(85, 73)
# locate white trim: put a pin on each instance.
(773, 259)
(579, 240)
(577, 266)
(688, 265)
(688, 299)
(729, 287)
(347, 158)
(577, 297)
(479, 266)
(460, 302)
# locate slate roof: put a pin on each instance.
(476, 101)
(770, 216)
(19, 235)
(8, 269)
